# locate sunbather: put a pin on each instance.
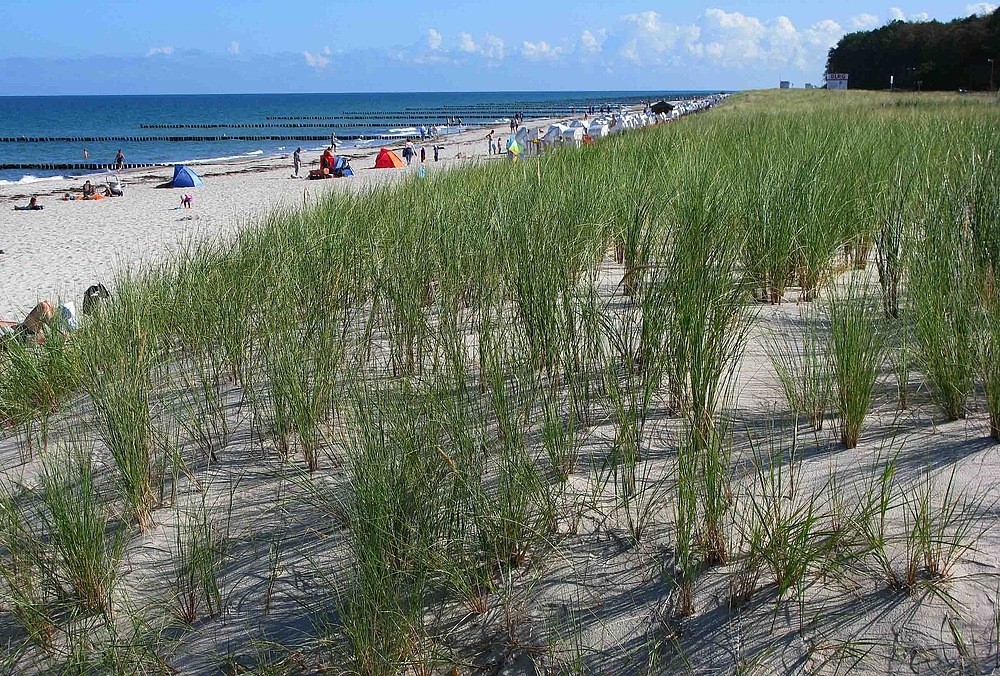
(32, 205)
(34, 325)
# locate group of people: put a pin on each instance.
(515, 121)
(495, 143)
(114, 188)
(410, 152)
(119, 158)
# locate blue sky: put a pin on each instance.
(208, 46)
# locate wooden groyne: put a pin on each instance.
(191, 139)
(84, 166)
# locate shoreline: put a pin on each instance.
(58, 252)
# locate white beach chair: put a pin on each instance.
(116, 186)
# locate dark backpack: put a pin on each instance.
(93, 297)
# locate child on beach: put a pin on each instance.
(187, 200)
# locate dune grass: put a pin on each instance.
(476, 369)
(857, 349)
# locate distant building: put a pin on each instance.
(785, 84)
(836, 80)
(809, 85)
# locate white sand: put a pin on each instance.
(60, 251)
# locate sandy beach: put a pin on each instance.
(58, 252)
(571, 526)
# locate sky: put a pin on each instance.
(57, 47)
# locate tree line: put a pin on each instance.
(929, 55)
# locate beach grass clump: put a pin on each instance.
(120, 364)
(944, 300)
(943, 524)
(784, 529)
(202, 406)
(198, 559)
(857, 351)
(891, 218)
(61, 554)
(301, 364)
(988, 363)
(876, 501)
(28, 569)
(398, 516)
(76, 522)
(710, 323)
(36, 379)
(819, 215)
(802, 365)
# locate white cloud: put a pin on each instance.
(740, 40)
(538, 51)
(492, 48)
(981, 8)
(434, 39)
(160, 51)
(863, 22)
(466, 43)
(897, 14)
(234, 47)
(592, 42)
(824, 33)
(317, 61)
(648, 39)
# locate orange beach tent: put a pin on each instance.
(388, 160)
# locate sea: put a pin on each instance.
(45, 137)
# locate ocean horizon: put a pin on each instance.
(192, 128)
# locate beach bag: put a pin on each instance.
(93, 297)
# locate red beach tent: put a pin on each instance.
(388, 160)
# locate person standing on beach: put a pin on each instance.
(119, 160)
(436, 148)
(489, 140)
(297, 160)
(408, 152)
(423, 154)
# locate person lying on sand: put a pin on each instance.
(34, 325)
(44, 316)
(32, 205)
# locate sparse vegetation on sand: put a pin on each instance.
(564, 415)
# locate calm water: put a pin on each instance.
(393, 114)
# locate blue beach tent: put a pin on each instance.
(185, 178)
(343, 166)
